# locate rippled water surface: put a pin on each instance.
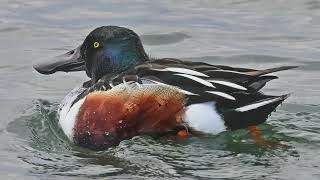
(249, 33)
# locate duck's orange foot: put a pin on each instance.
(174, 137)
(183, 134)
(255, 132)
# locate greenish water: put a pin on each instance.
(249, 33)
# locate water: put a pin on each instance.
(249, 33)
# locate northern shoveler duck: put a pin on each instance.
(130, 94)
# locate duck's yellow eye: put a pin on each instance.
(96, 44)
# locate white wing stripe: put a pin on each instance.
(197, 79)
(257, 105)
(188, 92)
(183, 71)
(229, 84)
(222, 94)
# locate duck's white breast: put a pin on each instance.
(68, 111)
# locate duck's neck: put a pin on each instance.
(124, 57)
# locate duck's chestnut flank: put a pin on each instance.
(107, 117)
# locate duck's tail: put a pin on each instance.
(252, 114)
(271, 70)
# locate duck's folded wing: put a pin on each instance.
(195, 76)
(202, 82)
(234, 91)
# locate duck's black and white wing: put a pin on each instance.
(233, 91)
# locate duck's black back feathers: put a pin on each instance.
(234, 90)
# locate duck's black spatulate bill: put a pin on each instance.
(70, 61)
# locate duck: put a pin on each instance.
(130, 94)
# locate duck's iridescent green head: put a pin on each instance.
(106, 50)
